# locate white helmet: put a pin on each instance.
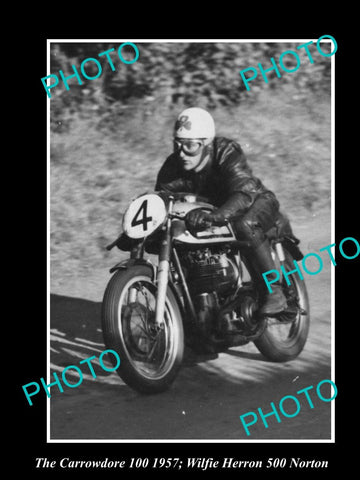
(194, 123)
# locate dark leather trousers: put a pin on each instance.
(252, 227)
(260, 217)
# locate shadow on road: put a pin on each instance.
(75, 334)
(204, 402)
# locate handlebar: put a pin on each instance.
(205, 224)
(112, 245)
(177, 216)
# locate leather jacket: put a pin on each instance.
(226, 180)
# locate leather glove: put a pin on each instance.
(198, 218)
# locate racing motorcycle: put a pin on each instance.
(200, 290)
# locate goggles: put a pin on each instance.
(188, 146)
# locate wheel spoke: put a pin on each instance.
(147, 347)
(154, 346)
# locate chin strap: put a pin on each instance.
(202, 163)
(205, 157)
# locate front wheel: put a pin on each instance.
(284, 337)
(150, 355)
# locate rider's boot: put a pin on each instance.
(275, 302)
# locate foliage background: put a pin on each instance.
(109, 136)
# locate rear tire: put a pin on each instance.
(150, 357)
(282, 341)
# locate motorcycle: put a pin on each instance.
(202, 291)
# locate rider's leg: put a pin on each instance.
(274, 302)
(251, 227)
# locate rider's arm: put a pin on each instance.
(242, 186)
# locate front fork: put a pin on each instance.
(162, 276)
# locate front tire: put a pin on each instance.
(150, 356)
(284, 338)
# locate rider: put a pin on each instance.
(216, 168)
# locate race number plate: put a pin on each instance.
(144, 215)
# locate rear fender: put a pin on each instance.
(291, 245)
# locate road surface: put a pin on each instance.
(209, 395)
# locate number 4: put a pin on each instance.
(144, 219)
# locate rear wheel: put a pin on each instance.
(285, 336)
(150, 355)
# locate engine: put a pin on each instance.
(209, 271)
(222, 317)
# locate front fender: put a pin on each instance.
(129, 262)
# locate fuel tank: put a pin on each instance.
(213, 235)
